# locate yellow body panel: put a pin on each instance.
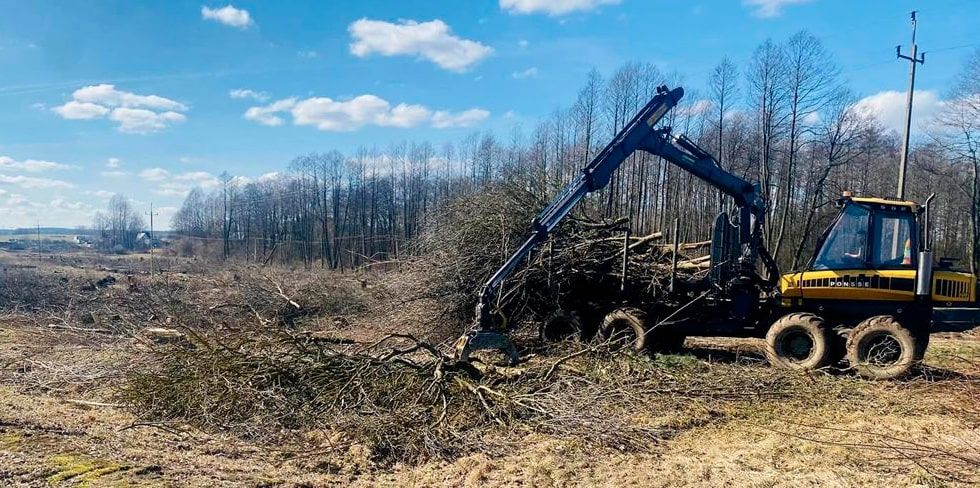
(952, 286)
(884, 285)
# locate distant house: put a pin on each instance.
(84, 241)
(145, 240)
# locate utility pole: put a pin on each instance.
(152, 238)
(913, 60)
(39, 242)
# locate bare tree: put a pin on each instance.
(810, 80)
(837, 140)
(119, 225)
(960, 135)
(724, 91)
(767, 96)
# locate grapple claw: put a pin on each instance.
(485, 340)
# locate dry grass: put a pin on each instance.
(279, 395)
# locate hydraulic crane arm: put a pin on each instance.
(593, 177)
(641, 133)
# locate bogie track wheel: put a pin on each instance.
(800, 341)
(880, 348)
(625, 328)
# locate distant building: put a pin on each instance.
(145, 240)
(84, 241)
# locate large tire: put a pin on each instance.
(561, 325)
(880, 348)
(801, 341)
(625, 327)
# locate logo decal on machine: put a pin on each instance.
(861, 281)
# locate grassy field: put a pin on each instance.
(28, 237)
(714, 415)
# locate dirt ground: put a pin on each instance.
(60, 426)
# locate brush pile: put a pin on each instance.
(407, 402)
(581, 263)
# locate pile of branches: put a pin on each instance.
(406, 402)
(124, 304)
(582, 261)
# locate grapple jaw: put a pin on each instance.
(486, 340)
(484, 337)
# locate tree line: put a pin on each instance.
(785, 118)
(117, 228)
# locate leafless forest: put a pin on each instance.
(785, 118)
(296, 357)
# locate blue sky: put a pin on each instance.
(151, 98)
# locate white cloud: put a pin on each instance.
(331, 115)
(18, 200)
(365, 110)
(142, 121)
(154, 174)
(770, 8)
(812, 118)
(442, 119)
(108, 96)
(888, 107)
(528, 73)
(31, 165)
(81, 111)
(246, 93)
(431, 40)
(202, 178)
(62, 204)
(113, 174)
(179, 184)
(19, 211)
(136, 114)
(240, 181)
(32, 182)
(266, 115)
(113, 162)
(271, 176)
(228, 15)
(695, 108)
(522, 43)
(307, 54)
(103, 194)
(552, 7)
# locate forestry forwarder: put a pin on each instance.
(865, 293)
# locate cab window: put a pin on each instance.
(847, 242)
(893, 249)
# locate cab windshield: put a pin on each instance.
(847, 243)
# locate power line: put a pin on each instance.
(952, 48)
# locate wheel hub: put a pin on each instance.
(797, 345)
(881, 350)
(622, 335)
